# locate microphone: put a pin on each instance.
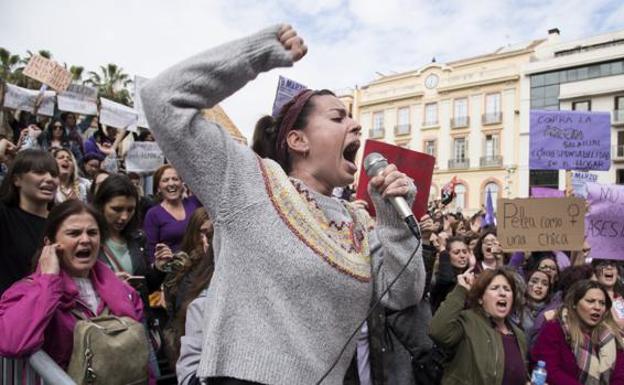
(374, 164)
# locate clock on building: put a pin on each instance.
(431, 81)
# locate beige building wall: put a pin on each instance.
(436, 107)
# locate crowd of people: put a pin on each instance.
(244, 267)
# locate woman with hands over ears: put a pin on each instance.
(69, 278)
(295, 269)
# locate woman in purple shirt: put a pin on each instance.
(166, 222)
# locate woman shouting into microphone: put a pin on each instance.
(295, 269)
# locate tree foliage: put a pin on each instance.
(111, 80)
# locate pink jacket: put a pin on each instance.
(551, 347)
(36, 311)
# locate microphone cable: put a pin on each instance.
(416, 232)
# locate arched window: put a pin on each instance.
(491, 188)
(460, 197)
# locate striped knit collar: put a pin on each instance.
(343, 245)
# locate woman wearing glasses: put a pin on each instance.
(55, 136)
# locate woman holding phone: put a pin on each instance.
(124, 248)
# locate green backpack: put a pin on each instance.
(109, 350)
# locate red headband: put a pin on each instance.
(290, 117)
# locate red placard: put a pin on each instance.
(416, 165)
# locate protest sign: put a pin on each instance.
(416, 165)
(48, 72)
(79, 99)
(605, 221)
(117, 115)
(139, 82)
(286, 90)
(144, 157)
(545, 192)
(580, 180)
(19, 98)
(544, 224)
(567, 140)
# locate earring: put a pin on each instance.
(480, 302)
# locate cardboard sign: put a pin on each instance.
(48, 72)
(117, 115)
(139, 82)
(545, 192)
(605, 221)
(144, 157)
(79, 99)
(416, 165)
(286, 90)
(570, 140)
(579, 182)
(19, 98)
(544, 224)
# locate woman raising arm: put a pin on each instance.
(294, 267)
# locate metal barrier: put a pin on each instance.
(39, 369)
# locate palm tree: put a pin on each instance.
(76, 72)
(42, 52)
(112, 83)
(9, 64)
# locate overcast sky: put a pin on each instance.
(349, 40)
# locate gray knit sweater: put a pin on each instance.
(283, 300)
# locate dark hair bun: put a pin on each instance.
(264, 137)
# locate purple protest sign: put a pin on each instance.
(286, 90)
(570, 140)
(604, 222)
(545, 192)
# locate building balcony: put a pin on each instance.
(402, 129)
(491, 161)
(492, 118)
(460, 122)
(618, 153)
(618, 116)
(376, 133)
(433, 123)
(458, 164)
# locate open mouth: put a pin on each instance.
(595, 317)
(609, 276)
(349, 154)
(48, 189)
(501, 305)
(171, 189)
(83, 254)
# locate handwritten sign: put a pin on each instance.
(79, 99)
(144, 157)
(19, 98)
(605, 220)
(139, 82)
(580, 180)
(543, 224)
(286, 90)
(117, 115)
(566, 140)
(48, 72)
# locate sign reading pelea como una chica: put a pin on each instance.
(570, 140)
